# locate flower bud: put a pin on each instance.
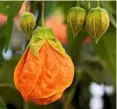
(76, 18)
(27, 23)
(97, 22)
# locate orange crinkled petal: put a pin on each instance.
(43, 80)
(26, 74)
(45, 101)
(18, 69)
(57, 73)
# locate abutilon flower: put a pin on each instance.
(45, 70)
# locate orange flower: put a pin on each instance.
(45, 70)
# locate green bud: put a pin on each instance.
(76, 18)
(97, 22)
(27, 23)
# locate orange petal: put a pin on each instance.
(18, 69)
(56, 75)
(27, 72)
(42, 80)
(45, 101)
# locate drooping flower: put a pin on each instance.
(45, 70)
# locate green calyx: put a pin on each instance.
(76, 17)
(27, 24)
(97, 23)
(42, 35)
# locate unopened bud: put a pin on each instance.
(27, 23)
(76, 18)
(97, 22)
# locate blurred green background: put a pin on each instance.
(95, 64)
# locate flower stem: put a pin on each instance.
(89, 5)
(78, 3)
(78, 76)
(98, 3)
(42, 13)
(26, 2)
(7, 85)
(25, 105)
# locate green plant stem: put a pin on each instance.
(98, 3)
(26, 5)
(7, 85)
(39, 16)
(25, 105)
(89, 5)
(1, 102)
(78, 3)
(42, 13)
(72, 89)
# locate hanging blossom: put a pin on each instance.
(45, 70)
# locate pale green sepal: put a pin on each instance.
(47, 34)
(37, 41)
(55, 44)
(36, 46)
(40, 36)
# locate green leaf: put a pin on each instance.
(2, 40)
(75, 44)
(95, 68)
(7, 69)
(11, 9)
(11, 96)
(106, 49)
(7, 90)
(85, 4)
(8, 32)
(2, 105)
(49, 7)
(110, 6)
(112, 20)
(72, 90)
(65, 5)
